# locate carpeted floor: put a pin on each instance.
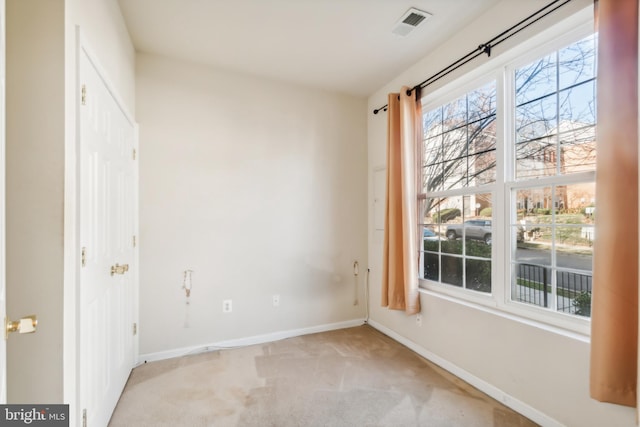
(350, 377)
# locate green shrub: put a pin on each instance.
(478, 248)
(446, 215)
(542, 211)
(431, 245)
(582, 303)
(486, 212)
(478, 275)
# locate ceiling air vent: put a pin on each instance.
(410, 21)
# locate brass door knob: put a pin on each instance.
(119, 269)
(26, 325)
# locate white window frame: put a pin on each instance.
(500, 68)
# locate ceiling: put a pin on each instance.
(339, 45)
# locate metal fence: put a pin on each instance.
(533, 286)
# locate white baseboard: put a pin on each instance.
(241, 342)
(499, 395)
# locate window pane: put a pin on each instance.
(431, 178)
(536, 204)
(432, 150)
(454, 144)
(482, 169)
(450, 210)
(534, 245)
(452, 245)
(578, 150)
(576, 203)
(483, 206)
(574, 248)
(431, 238)
(451, 218)
(432, 123)
(452, 270)
(536, 119)
(455, 114)
(536, 79)
(567, 108)
(578, 105)
(536, 158)
(478, 229)
(572, 241)
(478, 248)
(482, 102)
(577, 62)
(432, 162)
(478, 275)
(554, 237)
(532, 284)
(454, 174)
(574, 292)
(431, 266)
(430, 210)
(431, 229)
(482, 135)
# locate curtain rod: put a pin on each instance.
(485, 47)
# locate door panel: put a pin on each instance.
(107, 140)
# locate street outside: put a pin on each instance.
(564, 260)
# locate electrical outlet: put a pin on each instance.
(419, 319)
(276, 300)
(226, 306)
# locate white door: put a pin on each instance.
(107, 209)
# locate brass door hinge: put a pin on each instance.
(84, 257)
(134, 154)
(84, 94)
(84, 418)
(134, 241)
(135, 329)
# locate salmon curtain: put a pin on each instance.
(614, 323)
(400, 262)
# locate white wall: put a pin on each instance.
(257, 186)
(546, 370)
(34, 174)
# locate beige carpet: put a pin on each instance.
(350, 377)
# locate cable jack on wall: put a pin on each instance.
(187, 284)
(356, 269)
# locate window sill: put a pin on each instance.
(567, 326)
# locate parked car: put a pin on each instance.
(477, 229)
(429, 235)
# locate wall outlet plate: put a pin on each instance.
(276, 300)
(419, 319)
(227, 306)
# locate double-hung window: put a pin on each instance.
(458, 179)
(508, 182)
(552, 184)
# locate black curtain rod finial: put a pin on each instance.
(409, 92)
